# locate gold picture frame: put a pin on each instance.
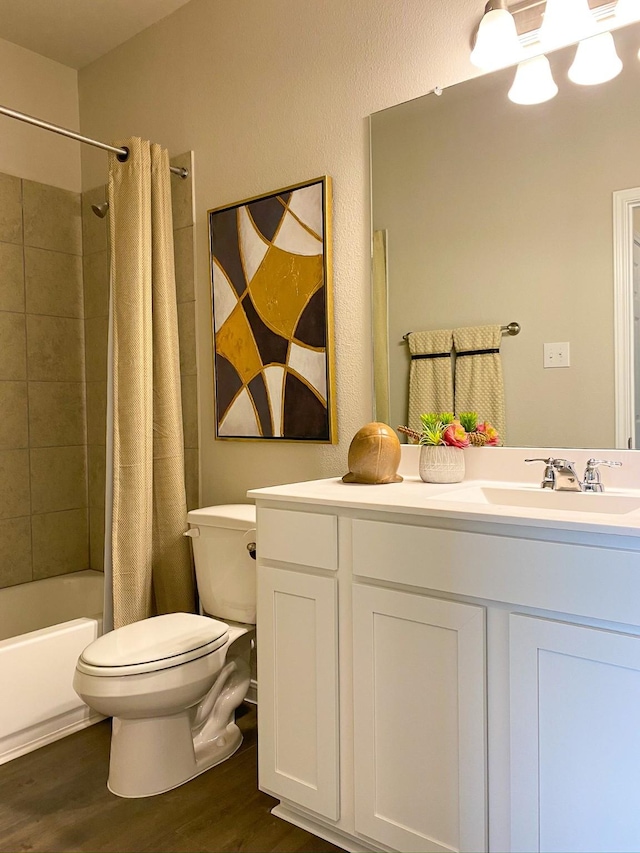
(272, 320)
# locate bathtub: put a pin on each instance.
(44, 626)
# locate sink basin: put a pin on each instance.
(545, 499)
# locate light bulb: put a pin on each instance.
(533, 83)
(627, 11)
(566, 22)
(497, 43)
(596, 61)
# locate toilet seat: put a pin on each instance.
(154, 644)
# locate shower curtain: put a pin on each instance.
(151, 564)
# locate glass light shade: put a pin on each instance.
(497, 42)
(533, 83)
(627, 11)
(596, 61)
(565, 22)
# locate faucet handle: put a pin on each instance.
(592, 464)
(592, 482)
(549, 478)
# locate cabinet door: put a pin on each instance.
(420, 733)
(575, 737)
(298, 688)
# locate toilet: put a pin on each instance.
(172, 682)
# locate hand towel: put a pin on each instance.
(430, 376)
(479, 385)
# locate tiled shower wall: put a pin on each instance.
(43, 481)
(96, 300)
(53, 368)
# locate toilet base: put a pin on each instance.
(150, 756)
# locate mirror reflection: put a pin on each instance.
(486, 212)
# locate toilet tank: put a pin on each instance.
(225, 570)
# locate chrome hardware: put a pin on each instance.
(251, 548)
(559, 474)
(549, 478)
(592, 482)
(566, 477)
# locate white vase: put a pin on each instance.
(441, 463)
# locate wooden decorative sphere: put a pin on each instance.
(374, 456)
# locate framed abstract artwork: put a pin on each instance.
(272, 316)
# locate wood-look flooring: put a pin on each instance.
(56, 799)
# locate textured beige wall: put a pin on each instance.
(498, 213)
(267, 94)
(48, 90)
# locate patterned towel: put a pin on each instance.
(478, 382)
(430, 377)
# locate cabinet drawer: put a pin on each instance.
(598, 583)
(303, 538)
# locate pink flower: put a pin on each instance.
(492, 434)
(455, 436)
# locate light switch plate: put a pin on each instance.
(556, 355)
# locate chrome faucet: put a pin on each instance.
(560, 475)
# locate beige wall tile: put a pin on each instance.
(52, 218)
(189, 386)
(10, 209)
(96, 333)
(11, 277)
(15, 551)
(184, 261)
(58, 478)
(191, 478)
(96, 466)
(96, 538)
(53, 283)
(56, 414)
(96, 284)
(94, 229)
(13, 349)
(187, 333)
(182, 193)
(97, 412)
(55, 349)
(14, 483)
(60, 543)
(14, 424)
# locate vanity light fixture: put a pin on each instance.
(533, 83)
(596, 61)
(565, 22)
(497, 44)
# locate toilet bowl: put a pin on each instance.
(172, 682)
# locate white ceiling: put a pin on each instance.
(76, 32)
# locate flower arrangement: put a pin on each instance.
(443, 428)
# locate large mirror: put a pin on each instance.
(486, 212)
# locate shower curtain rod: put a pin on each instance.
(122, 153)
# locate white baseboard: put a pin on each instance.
(20, 743)
(330, 834)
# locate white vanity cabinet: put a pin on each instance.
(435, 680)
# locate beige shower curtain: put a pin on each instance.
(152, 568)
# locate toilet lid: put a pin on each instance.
(156, 643)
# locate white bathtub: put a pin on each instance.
(44, 626)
